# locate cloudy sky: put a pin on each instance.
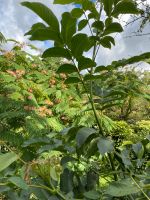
(15, 20)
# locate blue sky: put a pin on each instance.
(16, 20)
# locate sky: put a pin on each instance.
(16, 20)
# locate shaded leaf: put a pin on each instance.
(83, 134)
(98, 25)
(19, 182)
(78, 44)
(67, 68)
(72, 80)
(44, 12)
(66, 181)
(92, 194)
(46, 34)
(68, 27)
(105, 146)
(122, 188)
(57, 52)
(82, 24)
(113, 28)
(108, 6)
(125, 7)
(7, 159)
(77, 12)
(85, 63)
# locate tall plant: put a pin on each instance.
(70, 42)
(91, 167)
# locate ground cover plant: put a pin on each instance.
(70, 128)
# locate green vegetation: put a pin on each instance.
(69, 128)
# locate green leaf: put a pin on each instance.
(92, 194)
(85, 63)
(82, 24)
(138, 149)
(35, 27)
(72, 80)
(67, 68)
(98, 25)
(68, 27)
(108, 21)
(125, 7)
(107, 41)
(46, 34)
(77, 12)
(101, 68)
(53, 174)
(44, 13)
(83, 134)
(19, 182)
(105, 145)
(57, 52)
(89, 77)
(113, 28)
(122, 188)
(134, 59)
(66, 181)
(7, 159)
(62, 2)
(92, 148)
(108, 6)
(79, 43)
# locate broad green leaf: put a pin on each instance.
(82, 24)
(19, 182)
(57, 52)
(98, 25)
(138, 149)
(89, 77)
(7, 159)
(67, 1)
(46, 34)
(83, 134)
(126, 157)
(35, 141)
(113, 28)
(66, 181)
(105, 145)
(90, 6)
(68, 27)
(35, 27)
(44, 12)
(107, 41)
(92, 194)
(108, 21)
(77, 12)
(72, 80)
(92, 147)
(122, 188)
(67, 159)
(67, 68)
(101, 68)
(108, 6)
(125, 7)
(85, 63)
(79, 43)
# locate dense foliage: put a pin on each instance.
(69, 128)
